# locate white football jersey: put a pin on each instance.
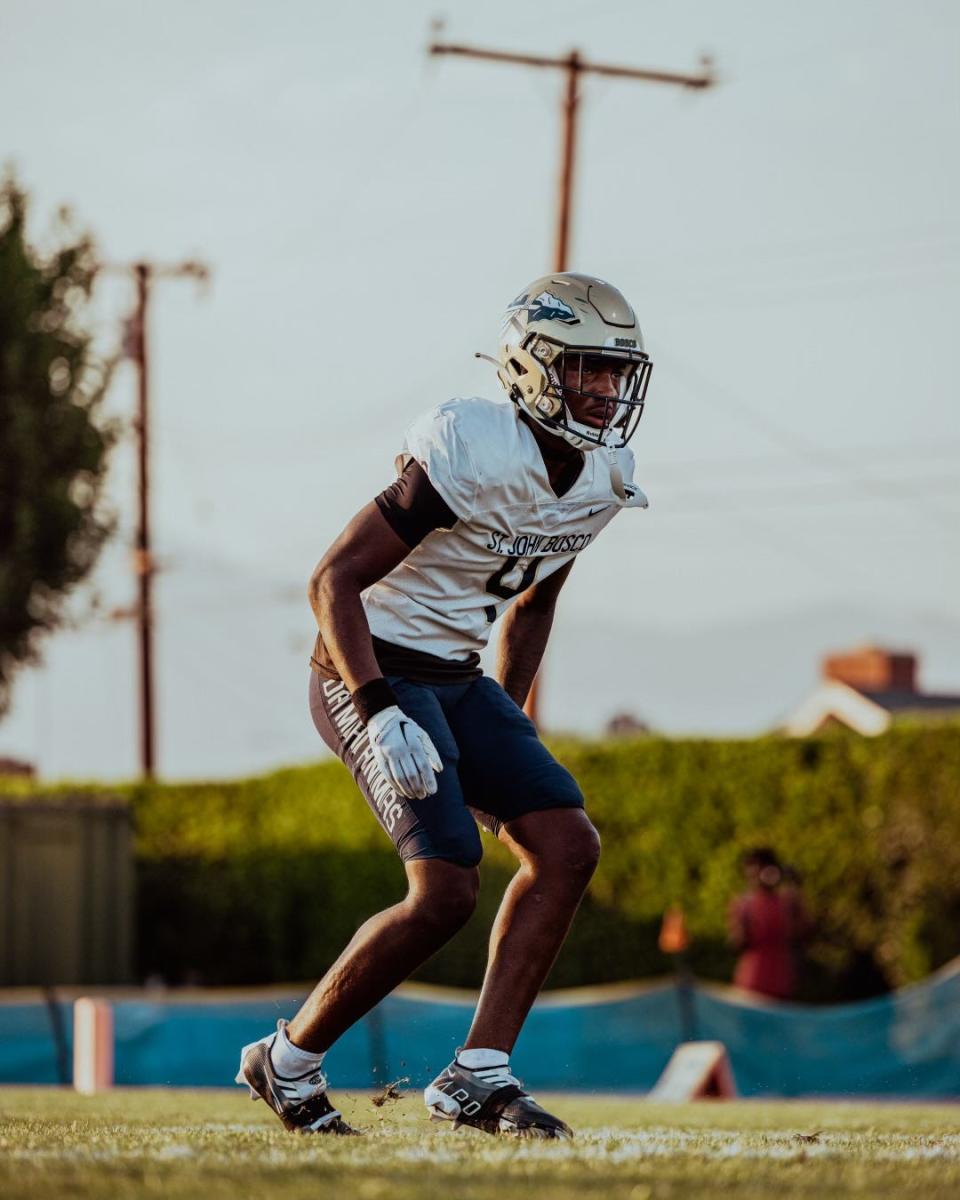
(512, 529)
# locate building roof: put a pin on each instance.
(901, 702)
(869, 713)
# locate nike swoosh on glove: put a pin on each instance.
(404, 752)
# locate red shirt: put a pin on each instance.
(768, 920)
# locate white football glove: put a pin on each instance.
(404, 752)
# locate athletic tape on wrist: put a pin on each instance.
(373, 697)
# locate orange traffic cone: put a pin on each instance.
(674, 938)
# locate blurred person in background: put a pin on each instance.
(492, 504)
(768, 924)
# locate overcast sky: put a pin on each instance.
(790, 241)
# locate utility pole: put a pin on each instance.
(574, 66)
(135, 347)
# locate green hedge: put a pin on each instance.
(265, 879)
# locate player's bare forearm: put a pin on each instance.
(343, 625)
(367, 550)
(523, 640)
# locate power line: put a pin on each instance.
(810, 495)
(921, 451)
(802, 447)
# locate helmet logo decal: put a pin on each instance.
(545, 307)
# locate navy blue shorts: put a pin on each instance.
(495, 768)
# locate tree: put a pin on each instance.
(54, 443)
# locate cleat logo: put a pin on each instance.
(461, 1098)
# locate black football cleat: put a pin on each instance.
(301, 1104)
(490, 1099)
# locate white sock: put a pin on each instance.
(289, 1060)
(477, 1060)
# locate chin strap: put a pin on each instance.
(628, 494)
(501, 374)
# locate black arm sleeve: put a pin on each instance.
(413, 507)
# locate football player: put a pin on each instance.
(492, 504)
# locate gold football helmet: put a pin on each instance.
(557, 330)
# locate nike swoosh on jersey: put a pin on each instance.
(593, 511)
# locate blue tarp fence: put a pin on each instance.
(608, 1039)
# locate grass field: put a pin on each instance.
(218, 1144)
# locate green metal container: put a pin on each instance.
(66, 891)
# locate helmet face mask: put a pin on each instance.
(598, 417)
(559, 336)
